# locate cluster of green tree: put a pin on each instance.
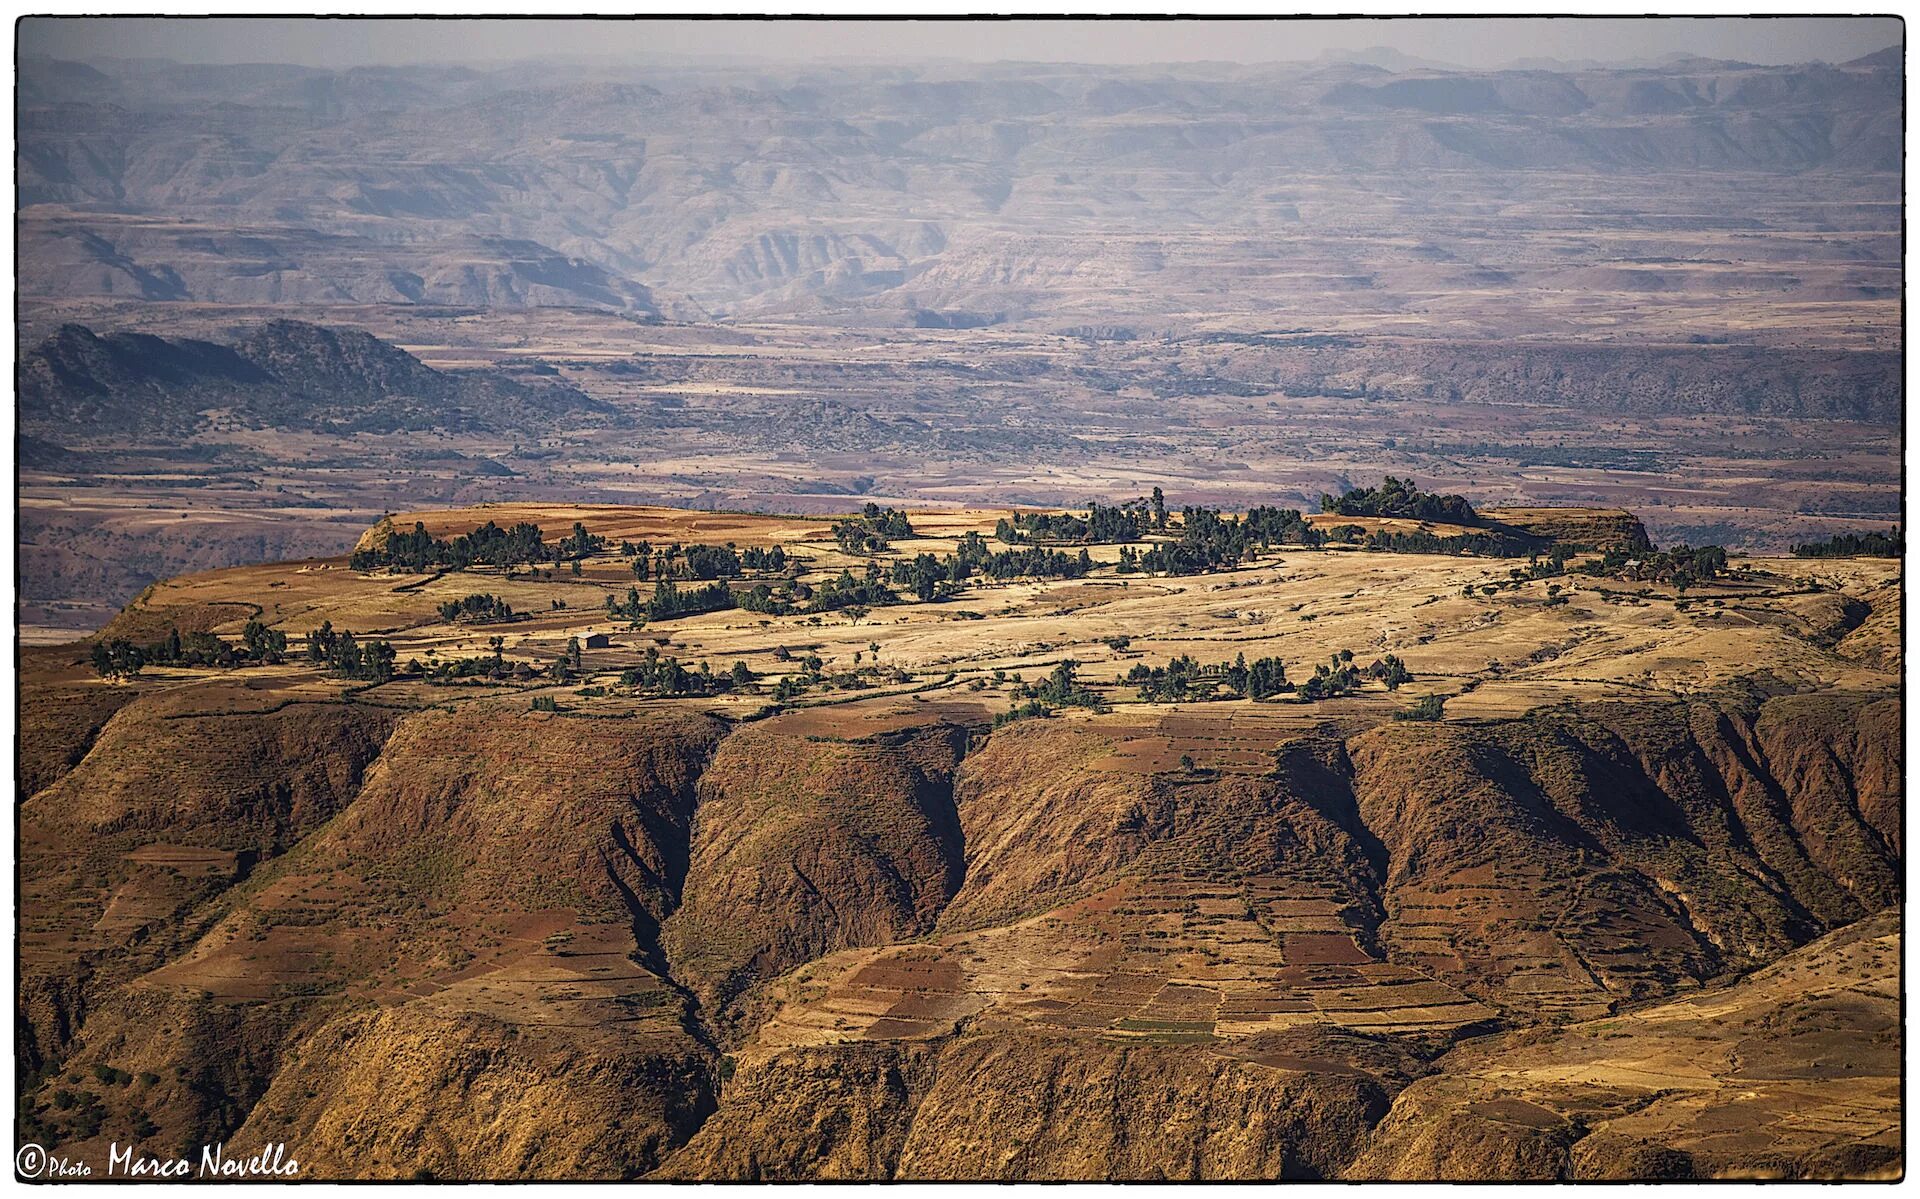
(1682, 566)
(845, 591)
(1553, 566)
(1335, 677)
(579, 544)
(479, 609)
(696, 561)
(1389, 670)
(568, 665)
(1186, 678)
(444, 669)
(1339, 676)
(664, 675)
(1266, 527)
(1426, 708)
(813, 673)
(1036, 563)
(768, 601)
(871, 530)
(522, 545)
(195, 649)
(1890, 544)
(792, 685)
(343, 655)
(1209, 541)
(459, 668)
(264, 644)
(773, 560)
(1032, 563)
(1399, 497)
(929, 577)
(669, 601)
(712, 562)
(1102, 525)
(120, 658)
(1060, 689)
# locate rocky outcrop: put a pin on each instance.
(1576, 528)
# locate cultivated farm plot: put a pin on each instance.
(1160, 960)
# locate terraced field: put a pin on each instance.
(749, 934)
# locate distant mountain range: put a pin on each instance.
(691, 190)
(283, 374)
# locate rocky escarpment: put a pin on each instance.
(404, 1094)
(1578, 858)
(175, 800)
(500, 871)
(1046, 824)
(804, 845)
(1028, 1107)
(1589, 528)
(520, 943)
(1578, 862)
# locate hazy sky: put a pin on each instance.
(1472, 42)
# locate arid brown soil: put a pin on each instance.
(1630, 908)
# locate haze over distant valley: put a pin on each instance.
(795, 286)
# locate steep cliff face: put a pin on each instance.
(1049, 817)
(1594, 528)
(60, 718)
(1842, 766)
(818, 1113)
(486, 942)
(1576, 862)
(400, 1094)
(501, 874)
(805, 845)
(1013, 1106)
(171, 764)
(1579, 858)
(1000, 1108)
(170, 805)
